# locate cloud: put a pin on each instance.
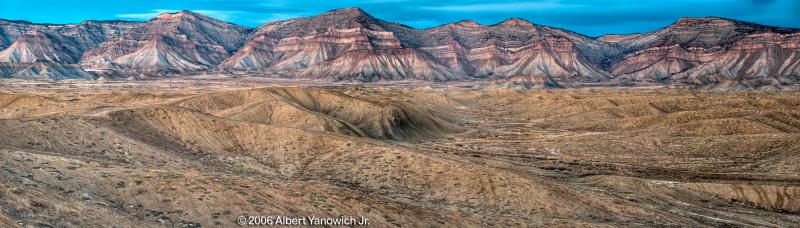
(220, 14)
(591, 17)
(504, 7)
(383, 1)
(421, 23)
(144, 16)
(279, 16)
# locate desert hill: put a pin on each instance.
(400, 157)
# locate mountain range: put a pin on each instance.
(351, 45)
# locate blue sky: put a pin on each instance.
(590, 17)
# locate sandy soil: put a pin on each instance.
(191, 153)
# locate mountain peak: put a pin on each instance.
(467, 23)
(4, 21)
(343, 18)
(183, 14)
(516, 22)
(350, 9)
(724, 23)
(355, 11)
(703, 21)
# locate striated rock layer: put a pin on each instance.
(352, 45)
(43, 71)
(349, 44)
(702, 51)
(182, 41)
(25, 42)
(46, 51)
(346, 44)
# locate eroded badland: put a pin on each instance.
(422, 157)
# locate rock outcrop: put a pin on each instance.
(702, 51)
(172, 42)
(352, 45)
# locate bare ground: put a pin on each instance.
(92, 155)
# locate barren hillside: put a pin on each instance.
(399, 157)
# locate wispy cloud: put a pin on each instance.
(220, 14)
(144, 16)
(383, 1)
(280, 16)
(591, 17)
(421, 23)
(501, 7)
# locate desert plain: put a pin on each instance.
(201, 153)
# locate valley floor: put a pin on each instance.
(128, 155)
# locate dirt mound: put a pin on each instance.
(156, 197)
(81, 136)
(765, 196)
(770, 197)
(5, 221)
(401, 157)
(298, 154)
(330, 111)
(135, 98)
(14, 106)
(699, 115)
(387, 118)
(258, 106)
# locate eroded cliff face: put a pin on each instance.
(299, 43)
(699, 51)
(692, 51)
(346, 44)
(39, 46)
(514, 47)
(50, 52)
(361, 47)
(352, 45)
(179, 42)
(25, 42)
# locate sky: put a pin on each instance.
(589, 17)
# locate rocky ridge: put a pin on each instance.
(352, 45)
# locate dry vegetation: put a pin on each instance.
(400, 157)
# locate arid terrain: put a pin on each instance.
(188, 154)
